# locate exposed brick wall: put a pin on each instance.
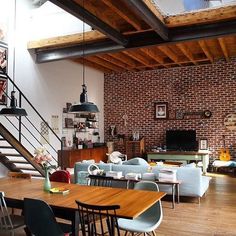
(191, 89)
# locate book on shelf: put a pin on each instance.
(60, 190)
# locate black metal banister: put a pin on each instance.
(21, 93)
(24, 124)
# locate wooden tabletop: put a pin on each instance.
(132, 202)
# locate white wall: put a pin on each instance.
(49, 86)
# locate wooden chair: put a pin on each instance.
(100, 180)
(93, 217)
(19, 175)
(9, 222)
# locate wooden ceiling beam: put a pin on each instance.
(142, 10)
(139, 40)
(104, 63)
(186, 51)
(125, 59)
(224, 49)
(137, 57)
(91, 64)
(206, 50)
(174, 63)
(66, 40)
(154, 55)
(169, 53)
(124, 13)
(113, 61)
(154, 9)
(84, 15)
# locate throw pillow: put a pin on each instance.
(136, 161)
(191, 165)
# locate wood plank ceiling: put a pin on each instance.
(134, 35)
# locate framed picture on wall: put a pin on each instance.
(161, 110)
(3, 58)
(203, 144)
(3, 90)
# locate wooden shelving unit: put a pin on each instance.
(135, 148)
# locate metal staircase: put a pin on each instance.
(20, 136)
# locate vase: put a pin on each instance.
(47, 183)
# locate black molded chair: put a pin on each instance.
(98, 220)
(40, 219)
(100, 180)
(9, 223)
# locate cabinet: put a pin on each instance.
(68, 158)
(135, 148)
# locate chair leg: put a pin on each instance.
(126, 232)
(153, 233)
(199, 200)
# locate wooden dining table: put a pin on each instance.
(132, 202)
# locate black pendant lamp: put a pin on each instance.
(13, 110)
(84, 106)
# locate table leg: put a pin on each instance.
(75, 224)
(177, 192)
(173, 196)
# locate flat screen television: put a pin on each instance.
(181, 140)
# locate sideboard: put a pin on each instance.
(67, 158)
(181, 156)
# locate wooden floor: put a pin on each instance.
(216, 215)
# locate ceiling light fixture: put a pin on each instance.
(84, 106)
(13, 110)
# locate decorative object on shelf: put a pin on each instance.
(230, 121)
(161, 110)
(84, 105)
(203, 144)
(69, 123)
(43, 158)
(135, 135)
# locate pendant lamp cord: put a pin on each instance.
(83, 49)
(14, 48)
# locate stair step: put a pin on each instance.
(2, 139)
(15, 159)
(10, 154)
(19, 161)
(32, 172)
(7, 147)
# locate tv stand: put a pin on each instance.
(181, 156)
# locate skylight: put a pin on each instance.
(173, 7)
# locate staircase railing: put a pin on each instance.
(27, 131)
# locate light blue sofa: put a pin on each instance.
(193, 183)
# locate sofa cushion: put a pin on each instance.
(136, 161)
